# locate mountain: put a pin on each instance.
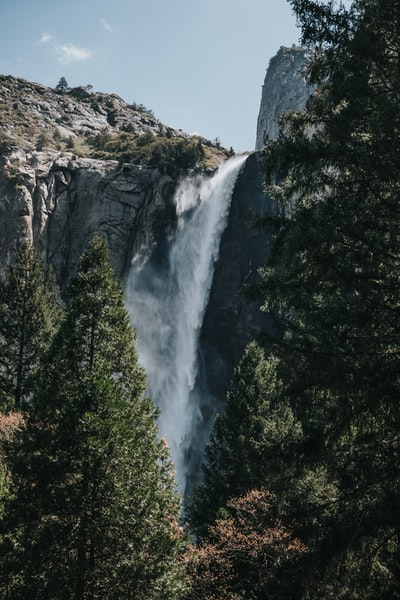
(74, 162)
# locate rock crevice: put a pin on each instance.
(58, 202)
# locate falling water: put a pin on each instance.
(168, 305)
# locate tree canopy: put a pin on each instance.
(333, 279)
(30, 310)
(93, 512)
(332, 282)
(249, 440)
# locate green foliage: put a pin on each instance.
(29, 312)
(250, 442)
(70, 143)
(62, 86)
(14, 176)
(94, 509)
(43, 141)
(333, 279)
(168, 154)
(9, 423)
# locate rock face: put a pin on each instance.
(58, 202)
(284, 88)
(53, 193)
(232, 320)
(57, 198)
(29, 110)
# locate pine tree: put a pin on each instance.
(62, 86)
(29, 314)
(250, 441)
(94, 509)
(333, 278)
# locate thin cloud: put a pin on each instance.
(106, 25)
(68, 53)
(45, 39)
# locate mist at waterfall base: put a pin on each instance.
(167, 302)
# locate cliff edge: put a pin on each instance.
(285, 88)
(75, 161)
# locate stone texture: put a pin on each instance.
(285, 88)
(232, 320)
(58, 202)
(29, 109)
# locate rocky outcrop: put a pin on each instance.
(58, 198)
(34, 115)
(58, 202)
(285, 88)
(53, 191)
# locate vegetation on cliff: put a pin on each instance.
(92, 124)
(169, 154)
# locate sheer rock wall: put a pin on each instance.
(58, 202)
(285, 88)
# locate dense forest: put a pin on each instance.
(299, 497)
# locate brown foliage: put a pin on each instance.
(244, 551)
(9, 423)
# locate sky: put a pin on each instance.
(199, 65)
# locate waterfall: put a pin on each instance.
(167, 307)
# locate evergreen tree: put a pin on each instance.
(62, 86)
(250, 441)
(29, 314)
(333, 278)
(94, 509)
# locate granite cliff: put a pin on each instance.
(59, 201)
(58, 184)
(75, 162)
(65, 172)
(285, 88)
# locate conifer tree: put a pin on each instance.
(29, 314)
(94, 508)
(333, 279)
(250, 440)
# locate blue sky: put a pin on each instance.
(198, 64)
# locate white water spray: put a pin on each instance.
(168, 307)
